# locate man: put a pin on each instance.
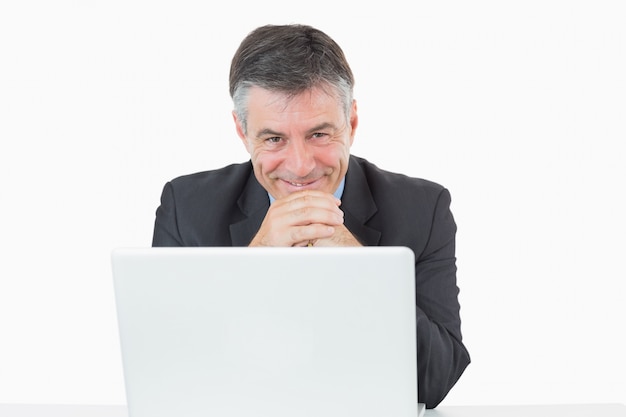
(294, 112)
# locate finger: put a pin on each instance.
(314, 215)
(312, 197)
(300, 213)
(312, 193)
(304, 235)
(302, 203)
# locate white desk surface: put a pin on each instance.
(570, 410)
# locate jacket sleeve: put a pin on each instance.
(441, 355)
(166, 232)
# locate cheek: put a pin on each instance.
(266, 161)
(334, 156)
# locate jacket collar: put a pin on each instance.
(358, 205)
(253, 203)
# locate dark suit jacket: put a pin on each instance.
(225, 207)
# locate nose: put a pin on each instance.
(300, 158)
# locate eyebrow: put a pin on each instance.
(270, 132)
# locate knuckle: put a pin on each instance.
(297, 234)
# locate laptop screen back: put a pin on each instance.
(267, 331)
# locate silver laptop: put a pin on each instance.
(261, 332)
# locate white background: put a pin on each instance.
(517, 107)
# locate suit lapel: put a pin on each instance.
(254, 204)
(358, 205)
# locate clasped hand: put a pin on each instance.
(304, 218)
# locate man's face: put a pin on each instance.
(298, 143)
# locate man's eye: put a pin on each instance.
(320, 137)
(274, 139)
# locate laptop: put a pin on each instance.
(233, 332)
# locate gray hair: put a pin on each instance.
(289, 59)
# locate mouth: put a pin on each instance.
(299, 184)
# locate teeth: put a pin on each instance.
(297, 184)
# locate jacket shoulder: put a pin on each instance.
(390, 183)
(231, 177)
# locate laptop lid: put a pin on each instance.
(267, 331)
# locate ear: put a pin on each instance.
(354, 121)
(240, 131)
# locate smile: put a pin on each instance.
(299, 184)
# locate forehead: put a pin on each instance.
(317, 99)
